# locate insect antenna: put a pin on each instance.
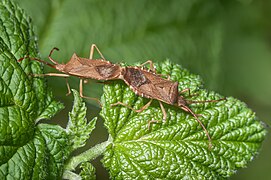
(51, 59)
(205, 101)
(201, 124)
(42, 61)
(36, 59)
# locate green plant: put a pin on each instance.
(173, 150)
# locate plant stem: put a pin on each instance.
(87, 155)
(71, 176)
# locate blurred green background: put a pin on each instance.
(227, 42)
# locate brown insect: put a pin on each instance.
(99, 69)
(148, 84)
(143, 82)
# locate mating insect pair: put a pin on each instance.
(146, 83)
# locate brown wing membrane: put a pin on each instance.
(108, 70)
(150, 85)
(91, 69)
(71, 64)
(134, 77)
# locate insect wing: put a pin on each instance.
(135, 77)
(150, 85)
(87, 68)
(163, 89)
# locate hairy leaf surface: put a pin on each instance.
(78, 128)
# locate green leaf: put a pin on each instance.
(53, 140)
(42, 157)
(178, 149)
(27, 150)
(88, 171)
(78, 128)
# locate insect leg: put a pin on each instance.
(159, 121)
(56, 75)
(93, 46)
(163, 111)
(185, 108)
(51, 74)
(192, 101)
(129, 107)
(189, 92)
(68, 86)
(152, 68)
(81, 93)
(185, 90)
(81, 88)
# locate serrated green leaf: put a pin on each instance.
(78, 128)
(40, 158)
(27, 150)
(87, 172)
(178, 149)
(55, 153)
